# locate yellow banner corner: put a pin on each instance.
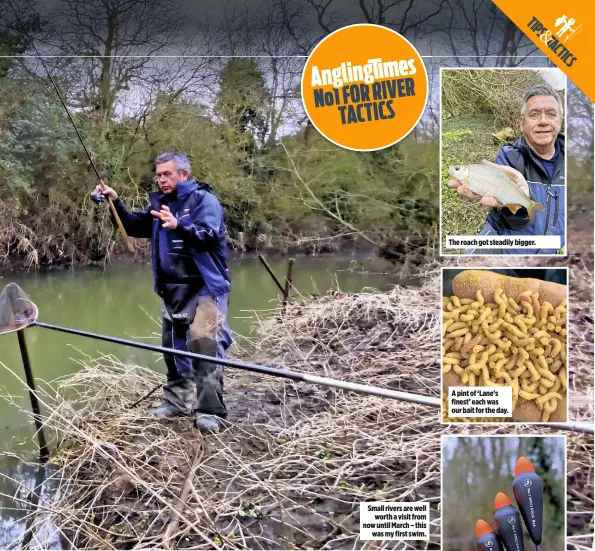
(563, 32)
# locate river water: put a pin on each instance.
(120, 302)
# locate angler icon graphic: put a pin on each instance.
(565, 27)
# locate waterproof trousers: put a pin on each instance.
(196, 385)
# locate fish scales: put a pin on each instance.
(487, 181)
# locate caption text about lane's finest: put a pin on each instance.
(394, 521)
(481, 401)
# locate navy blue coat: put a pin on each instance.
(550, 192)
(193, 258)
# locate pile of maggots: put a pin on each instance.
(518, 343)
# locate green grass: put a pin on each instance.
(465, 139)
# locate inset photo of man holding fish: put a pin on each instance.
(503, 162)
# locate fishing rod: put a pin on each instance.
(129, 245)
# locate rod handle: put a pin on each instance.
(129, 244)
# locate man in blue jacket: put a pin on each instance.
(185, 223)
(539, 156)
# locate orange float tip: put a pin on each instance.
(482, 528)
(501, 500)
(523, 465)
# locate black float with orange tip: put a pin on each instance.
(528, 493)
(507, 523)
(487, 540)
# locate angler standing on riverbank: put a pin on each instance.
(185, 223)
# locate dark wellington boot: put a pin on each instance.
(179, 398)
(165, 410)
(209, 380)
(207, 423)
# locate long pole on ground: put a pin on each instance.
(434, 401)
(264, 369)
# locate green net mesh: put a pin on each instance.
(16, 309)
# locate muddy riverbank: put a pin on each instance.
(298, 459)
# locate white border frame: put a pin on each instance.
(536, 69)
(568, 339)
(563, 436)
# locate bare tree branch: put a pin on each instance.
(321, 206)
(122, 38)
(480, 29)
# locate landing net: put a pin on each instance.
(17, 310)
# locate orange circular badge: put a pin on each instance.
(364, 87)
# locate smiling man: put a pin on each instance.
(539, 156)
(189, 257)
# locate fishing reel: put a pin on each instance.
(97, 196)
